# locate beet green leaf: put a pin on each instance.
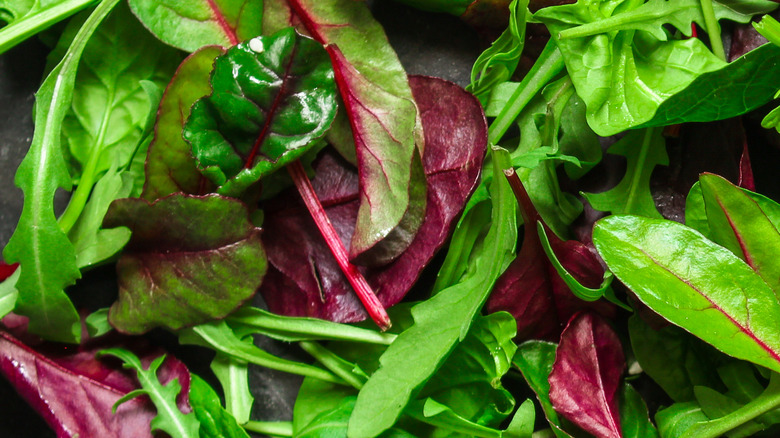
(694, 283)
(192, 24)
(272, 98)
(440, 322)
(170, 166)
(190, 259)
(38, 244)
(385, 124)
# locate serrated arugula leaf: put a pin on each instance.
(643, 149)
(42, 248)
(170, 419)
(273, 98)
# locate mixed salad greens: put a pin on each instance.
(267, 169)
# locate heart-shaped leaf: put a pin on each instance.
(190, 259)
(585, 377)
(694, 283)
(304, 279)
(272, 98)
(170, 166)
(192, 24)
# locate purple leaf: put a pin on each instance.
(533, 292)
(6, 270)
(304, 279)
(190, 259)
(586, 375)
(74, 392)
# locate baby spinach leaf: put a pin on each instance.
(643, 149)
(522, 424)
(335, 423)
(170, 166)
(215, 421)
(190, 259)
(233, 375)
(169, 418)
(634, 419)
(770, 29)
(535, 360)
(679, 417)
(27, 18)
(384, 121)
(38, 243)
(304, 279)
(442, 416)
(738, 223)
(192, 24)
(272, 98)
(672, 268)
(439, 323)
(585, 377)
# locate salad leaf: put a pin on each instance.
(215, 421)
(170, 166)
(272, 98)
(198, 253)
(585, 377)
(169, 418)
(643, 149)
(304, 280)
(27, 18)
(8, 292)
(38, 243)
(233, 375)
(385, 123)
(735, 311)
(634, 419)
(192, 24)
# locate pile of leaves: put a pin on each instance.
(266, 168)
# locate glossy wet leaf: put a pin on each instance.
(385, 124)
(634, 418)
(190, 259)
(38, 243)
(586, 375)
(215, 421)
(192, 24)
(272, 98)
(643, 149)
(440, 322)
(170, 166)
(739, 223)
(694, 283)
(304, 279)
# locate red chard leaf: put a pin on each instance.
(190, 259)
(170, 166)
(531, 289)
(585, 377)
(303, 278)
(74, 392)
(384, 121)
(6, 270)
(272, 98)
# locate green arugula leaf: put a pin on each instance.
(44, 251)
(170, 166)
(738, 223)
(272, 98)
(28, 17)
(694, 283)
(233, 374)
(440, 322)
(169, 418)
(190, 260)
(215, 421)
(643, 149)
(535, 360)
(191, 24)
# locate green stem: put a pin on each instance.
(713, 29)
(547, 66)
(767, 401)
(30, 25)
(645, 148)
(271, 428)
(334, 363)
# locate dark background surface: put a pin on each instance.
(428, 44)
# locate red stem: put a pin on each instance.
(364, 292)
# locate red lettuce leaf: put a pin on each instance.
(190, 259)
(74, 392)
(303, 279)
(533, 292)
(585, 377)
(6, 270)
